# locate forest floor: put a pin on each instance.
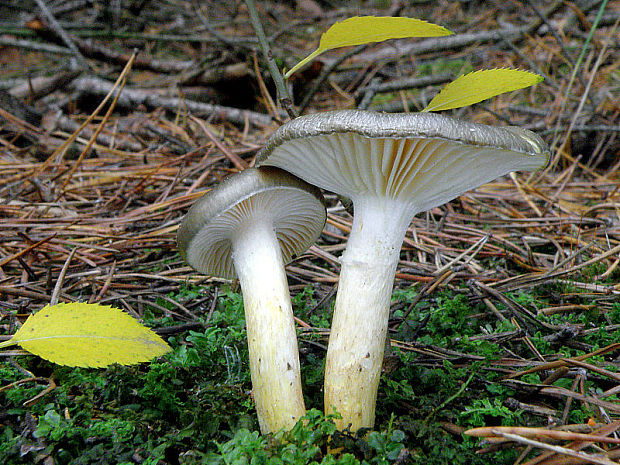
(506, 304)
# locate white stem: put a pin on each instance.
(359, 325)
(272, 340)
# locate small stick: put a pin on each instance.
(546, 457)
(547, 277)
(513, 176)
(569, 400)
(235, 159)
(37, 46)
(50, 387)
(524, 431)
(283, 95)
(594, 368)
(74, 136)
(598, 459)
(478, 245)
(518, 310)
(10, 258)
(325, 74)
(61, 279)
(63, 35)
(559, 363)
(105, 286)
(133, 97)
(271, 106)
(486, 301)
(93, 138)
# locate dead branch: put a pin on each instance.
(131, 98)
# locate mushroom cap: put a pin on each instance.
(425, 159)
(296, 209)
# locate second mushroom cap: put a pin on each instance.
(296, 209)
(249, 226)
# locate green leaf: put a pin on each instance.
(481, 85)
(360, 30)
(87, 335)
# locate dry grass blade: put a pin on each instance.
(593, 368)
(497, 431)
(563, 393)
(559, 363)
(106, 117)
(599, 459)
(549, 457)
(61, 279)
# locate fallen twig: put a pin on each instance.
(131, 98)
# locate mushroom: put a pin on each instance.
(251, 225)
(392, 166)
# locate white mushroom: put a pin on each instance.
(392, 166)
(251, 225)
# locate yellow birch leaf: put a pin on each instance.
(481, 85)
(87, 335)
(360, 30)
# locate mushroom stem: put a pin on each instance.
(272, 339)
(359, 325)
